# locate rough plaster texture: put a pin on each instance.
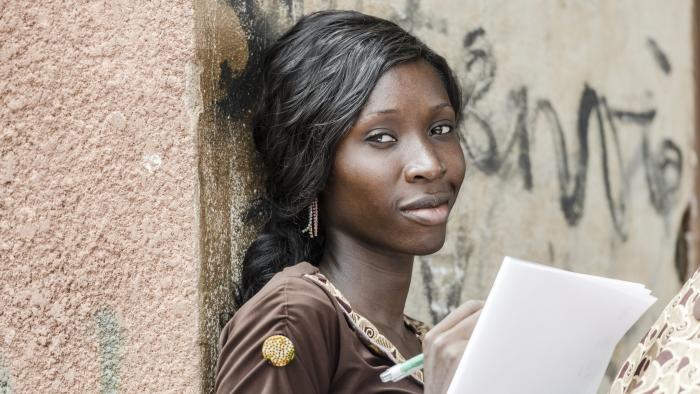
(98, 181)
(579, 136)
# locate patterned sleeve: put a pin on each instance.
(296, 313)
(668, 358)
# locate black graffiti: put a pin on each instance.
(480, 65)
(662, 167)
(659, 56)
(449, 293)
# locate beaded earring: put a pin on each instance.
(312, 226)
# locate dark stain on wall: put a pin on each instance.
(240, 87)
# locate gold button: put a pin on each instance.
(279, 350)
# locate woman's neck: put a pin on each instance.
(375, 282)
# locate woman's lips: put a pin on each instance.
(428, 216)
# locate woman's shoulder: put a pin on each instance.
(290, 297)
(291, 323)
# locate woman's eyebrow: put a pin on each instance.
(440, 106)
(392, 110)
(381, 112)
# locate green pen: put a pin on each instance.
(400, 371)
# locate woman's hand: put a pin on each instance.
(444, 345)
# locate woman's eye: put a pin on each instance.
(381, 138)
(442, 129)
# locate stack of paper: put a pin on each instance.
(545, 330)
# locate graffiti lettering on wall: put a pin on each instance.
(662, 164)
(110, 341)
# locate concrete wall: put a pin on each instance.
(98, 181)
(126, 165)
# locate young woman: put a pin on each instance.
(357, 130)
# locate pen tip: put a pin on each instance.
(387, 376)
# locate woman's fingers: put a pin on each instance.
(450, 340)
(458, 315)
(464, 329)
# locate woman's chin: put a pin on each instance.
(428, 245)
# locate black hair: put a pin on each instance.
(315, 80)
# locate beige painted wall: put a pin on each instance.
(98, 181)
(126, 165)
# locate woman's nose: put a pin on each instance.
(424, 163)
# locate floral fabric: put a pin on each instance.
(667, 360)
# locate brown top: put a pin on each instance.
(335, 350)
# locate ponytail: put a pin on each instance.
(278, 246)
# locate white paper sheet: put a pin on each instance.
(545, 330)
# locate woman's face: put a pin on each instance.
(397, 172)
